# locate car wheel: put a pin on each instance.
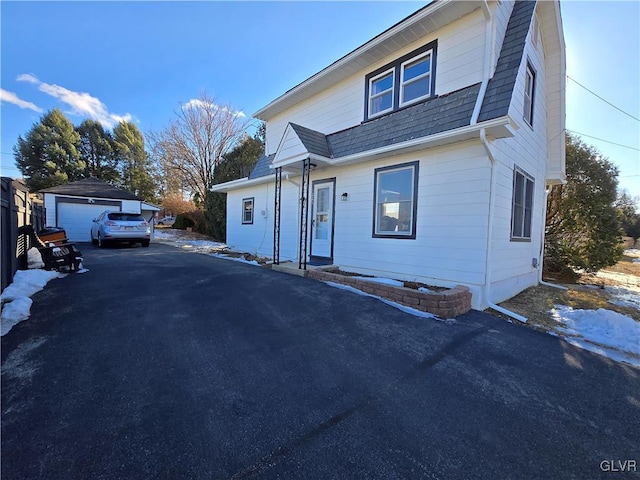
(145, 243)
(100, 241)
(93, 240)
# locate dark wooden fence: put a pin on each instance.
(18, 207)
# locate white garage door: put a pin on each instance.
(76, 219)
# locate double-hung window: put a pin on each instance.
(247, 211)
(395, 202)
(407, 80)
(529, 92)
(381, 93)
(522, 206)
(416, 79)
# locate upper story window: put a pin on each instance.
(529, 92)
(381, 93)
(407, 80)
(416, 79)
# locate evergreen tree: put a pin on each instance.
(583, 231)
(238, 163)
(136, 167)
(97, 151)
(48, 155)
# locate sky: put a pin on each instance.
(140, 61)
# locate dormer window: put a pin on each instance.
(405, 81)
(381, 93)
(416, 79)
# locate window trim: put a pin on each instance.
(414, 207)
(393, 88)
(527, 178)
(396, 66)
(428, 53)
(244, 201)
(529, 97)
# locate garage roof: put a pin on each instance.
(91, 187)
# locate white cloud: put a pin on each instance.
(81, 103)
(11, 97)
(197, 103)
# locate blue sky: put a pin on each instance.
(141, 60)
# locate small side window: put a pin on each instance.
(522, 206)
(529, 93)
(247, 211)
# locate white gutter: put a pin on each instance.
(469, 130)
(487, 274)
(240, 183)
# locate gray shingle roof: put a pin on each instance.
(500, 88)
(315, 142)
(262, 167)
(91, 187)
(427, 118)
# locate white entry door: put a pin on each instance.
(322, 220)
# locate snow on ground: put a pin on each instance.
(208, 247)
(15, 298)
(404, 308)
(624, 297)
(383, 281)
(633, 252)
(601, 331)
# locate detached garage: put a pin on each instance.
(74, 206)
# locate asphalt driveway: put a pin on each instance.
(159, 363)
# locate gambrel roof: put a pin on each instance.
(430, 117)
(500, 88)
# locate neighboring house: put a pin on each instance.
(422, 155)
(73, 206)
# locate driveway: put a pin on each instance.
(159, 363)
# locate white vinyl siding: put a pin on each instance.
(460, 64)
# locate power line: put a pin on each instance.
(603, 140)
(605, 101)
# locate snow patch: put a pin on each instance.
(34, 258)
(632, 252)
(15, 297)
(26, 283)
(382, 280)
(404, 308)
(624, 297)
(601, 331)
(14, 312)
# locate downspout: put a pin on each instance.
(492, 183)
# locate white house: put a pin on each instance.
(422, 155)
(73, 206)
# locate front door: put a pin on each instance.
(322, 219)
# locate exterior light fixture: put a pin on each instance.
(344, 196)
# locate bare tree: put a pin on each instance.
(194, 143)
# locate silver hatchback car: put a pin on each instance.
(120, 227)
